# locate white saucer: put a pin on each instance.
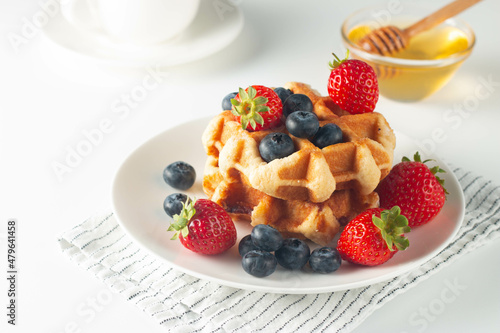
(212, 30)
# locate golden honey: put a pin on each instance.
(427, 64)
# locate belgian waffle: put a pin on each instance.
(310, 193)
(310, 173)
(318, 222)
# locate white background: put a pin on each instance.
(49, 98)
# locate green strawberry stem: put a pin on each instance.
(436, 169)
(392, 226)
(181, 221)
(249, 107)
(337, 62)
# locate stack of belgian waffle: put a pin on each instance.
(310, 193)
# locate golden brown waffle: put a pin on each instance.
(309, 174)
(310, 193)
(318, 222)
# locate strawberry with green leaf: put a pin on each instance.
(204, 227)
(257, 108)
(414, 187)
(353, 85)
(374, 236)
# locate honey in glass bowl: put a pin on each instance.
(426, 65)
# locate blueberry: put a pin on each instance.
(302, 124)
(266, 238)
(283, 93)
(293, 254)
(246, 245)
(297, 102)
(173, 203)
(179, 175)
(259, 263)
(226, 101)
(327, 135)
(325, 260)
(276, 145)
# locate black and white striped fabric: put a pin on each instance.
(182, 303)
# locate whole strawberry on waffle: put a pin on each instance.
(312, 190)
(353, 85)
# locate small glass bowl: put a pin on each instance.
(400, 78)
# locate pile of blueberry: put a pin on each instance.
(300, 121)
(265, 248)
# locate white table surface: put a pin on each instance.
(50, 97)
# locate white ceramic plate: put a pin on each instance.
(212, 30)
(139, 190)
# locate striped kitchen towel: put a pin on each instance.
(182, 303)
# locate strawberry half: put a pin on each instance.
(204, 227)
(374, 236)
(353, 85)
(257, 108)
(414, 187)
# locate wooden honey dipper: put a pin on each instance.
(390, 39)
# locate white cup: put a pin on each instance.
(132, 21)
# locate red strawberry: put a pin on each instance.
(257, 108)
(204, 227)
(415, 188)
(353, 85)
(374, 236)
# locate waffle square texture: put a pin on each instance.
(309, 193)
